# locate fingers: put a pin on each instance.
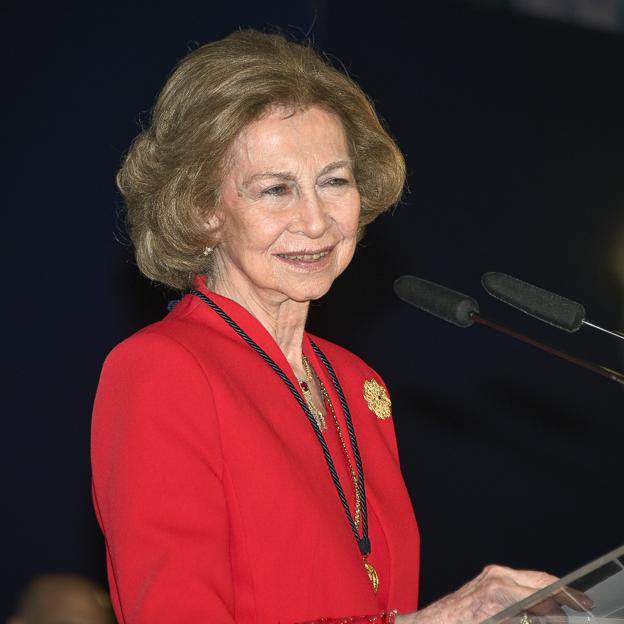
(498, 587)
(506, 585)
(574, 598)
(528, 579)
(549, 607)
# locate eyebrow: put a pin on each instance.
(336, 165)
(290, 177)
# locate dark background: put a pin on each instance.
(513, 129)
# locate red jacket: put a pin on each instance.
(212, 490)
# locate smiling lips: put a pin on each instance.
(306, 257)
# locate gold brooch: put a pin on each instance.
(377, 398)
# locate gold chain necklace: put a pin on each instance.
(354, 479)
(307, 394)
(320, 419)
(370, 570)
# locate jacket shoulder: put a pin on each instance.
(176, 333)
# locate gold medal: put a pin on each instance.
(377, 398)
(373, 577)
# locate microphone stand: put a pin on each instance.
(596, 368)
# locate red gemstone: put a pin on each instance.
(304, 386)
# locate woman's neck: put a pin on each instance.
(283, 318)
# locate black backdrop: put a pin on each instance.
(513, 131)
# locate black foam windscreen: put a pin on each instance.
(447, 304)
(537, 302)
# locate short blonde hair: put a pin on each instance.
(171, 176)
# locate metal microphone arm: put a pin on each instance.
(596, 368)
(611, 332)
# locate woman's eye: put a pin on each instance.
(280, 189)
(337, 182)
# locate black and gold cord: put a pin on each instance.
(363, 541)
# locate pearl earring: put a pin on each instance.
(207, 251)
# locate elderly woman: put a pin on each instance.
(244, 470)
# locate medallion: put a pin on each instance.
(378, 400)
(373, 577)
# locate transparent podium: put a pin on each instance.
(565, 602)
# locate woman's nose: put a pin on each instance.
(311, 216)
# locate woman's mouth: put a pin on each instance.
(303, 259)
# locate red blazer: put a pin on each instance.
(213, 493)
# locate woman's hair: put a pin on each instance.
(171, 176)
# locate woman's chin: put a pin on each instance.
(302, 293)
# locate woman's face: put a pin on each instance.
(289, 208)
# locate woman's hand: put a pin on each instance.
(494, 589)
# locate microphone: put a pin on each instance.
(541, 304)
(448, 305)
(463, 311)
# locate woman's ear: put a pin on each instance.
(213, 220)
(214, 223)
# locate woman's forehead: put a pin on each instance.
(285, 138)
